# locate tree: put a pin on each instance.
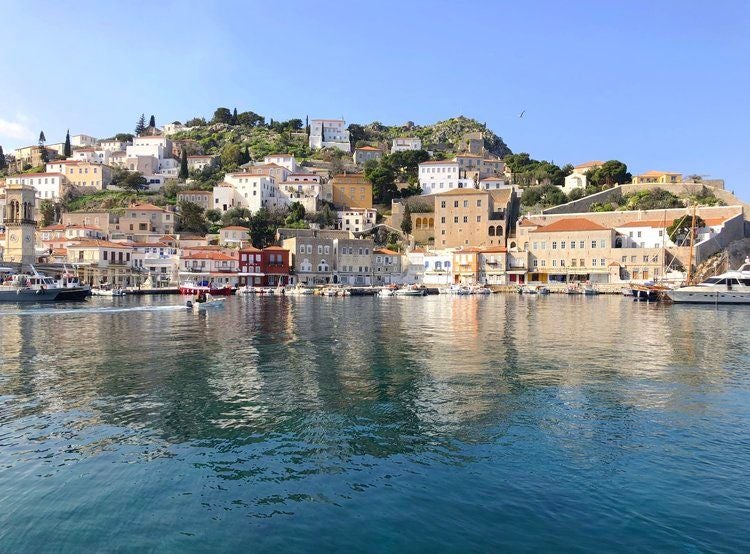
(170, 189)
(576, 193)
(250, 119)
(48, 211)
(191, 218)
(152, 122)
(382, 178)
(222, 115)
(213, 215)
(406, 222)
(130, 180)
(263, 225)
(124, 137)
(680, 227)
(610, 173)
(231, 156)
(307, 126)
(295, 215)
(3, 163)
(234, 117)
(236, 216)
(42, 140)
(195, 122)
(141, 125)
(67, 150)
(294, 124)
(183, 165)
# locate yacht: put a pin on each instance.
(732, 287)
(17, 288)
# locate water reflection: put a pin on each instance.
(340, 396)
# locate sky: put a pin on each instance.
(657, 84)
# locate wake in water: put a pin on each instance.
(100, 310)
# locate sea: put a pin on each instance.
(366, 424)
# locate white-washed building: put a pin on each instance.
(329, 133)
(406, 143)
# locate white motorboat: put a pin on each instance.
(479, 289)
(387, 291)
(107, 290)
(411, 290)
(18, 288)
(202, 305)
(732, 287)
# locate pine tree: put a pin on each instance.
(67, 150)
(152, 122)
(183, 165)
(141, 125)
(322, 132)
(406, 222)
(3, 165)
(307, 126)
(234, 117)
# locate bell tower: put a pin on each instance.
(20, 226)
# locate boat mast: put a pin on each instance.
(692, 244)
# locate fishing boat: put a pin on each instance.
(479, 289)
(648, 291)
(731, 287)
(387, 291)
(526, 289)
(589, 290)
(192, 288)
(541, 289)
(573, 289)
(460, 290)
(299, 290)
(20, 288)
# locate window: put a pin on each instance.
(581, 262)
(581, 244)
(466, 219)
(639, 234)
(544, 245)
(442, 219)
(479, 203)
(544, 263)
(624, 259)
(326, 250)
(593, 244)
(554, 245)
(645, 259)
(572, 244)
(602, 243)
(455, 204)
(554, 263)
(309, 248)
(562, 263)
(442, 204)
(562, 244)
(632, 259)
(479, 219)
(603, 261)
(535, 246)
(455, 219)
(593, 262)
(573, 262)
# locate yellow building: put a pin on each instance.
(83, 174)
(657, 177)
(351, 191)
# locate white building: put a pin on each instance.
(306, 193)
(113, 145)
(157, 146)
(577, 179)
(48, 186)
(329, 133)
(223, 197)
(406, 143)
(441, 176)
(284, 160)
(82, 141)
(493, 183)
(199, 162)
(386, 267)
(157, 262)
(357, 219)
(438, 267)
(92, 155)
(303, 178)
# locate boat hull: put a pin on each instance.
(192, 291)
(696, 296)
(28, 296)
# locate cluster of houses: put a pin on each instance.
(466, 220)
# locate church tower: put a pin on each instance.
(20, 226)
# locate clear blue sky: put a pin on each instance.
(658, 84)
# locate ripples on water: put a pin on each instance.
(366, 424)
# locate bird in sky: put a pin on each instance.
(521, 114)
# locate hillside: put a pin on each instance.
(260, 139)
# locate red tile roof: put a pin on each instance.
(234, 228)
(146, 208)
(571, 224)
(217, 256)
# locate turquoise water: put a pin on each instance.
(375, 425)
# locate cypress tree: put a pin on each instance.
(307, 126)
(406, 223)
(234, 117)
(141, 125)
(42, 140)
(67, 150)
(152, 122)
(183, 165)
(3, 165)
(246, 157)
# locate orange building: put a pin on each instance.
(351, 191)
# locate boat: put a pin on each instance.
(573, 289)
(192, 288)
(460, 290)
(526, 289)
(299, 290)
(363, 291)
(246, 290)
(202, 305)
(479, 289)
(648, 291)
(589, 290)
(35, 287)
(411, 290)
(731, 287)
(107, 290)
(387, 291)
(541, 289)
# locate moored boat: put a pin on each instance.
(731, 287)
(20, 288)
(192, 288)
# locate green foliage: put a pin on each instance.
(222, 115)
(213, 215)
(206, 178)
(140, 126)
(231, 157)
(705, 197)
(170, 189)
(183, 165)
(325, 216)
(296, 216)
(527, 171)
(191, 218)
(610, 173)
(124, 137)
(576, 194)
(650, 199)
(236, 216)
(599, 207)
(382, 177)
(406, 225)
(196, 122)
(67, 150)
(543, 196)
(263, 225)
(152, 122)
(3, 163)
(679, 230)
(48, 212)
(130, 180)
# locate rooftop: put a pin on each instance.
(571, 224)
(588, 165)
